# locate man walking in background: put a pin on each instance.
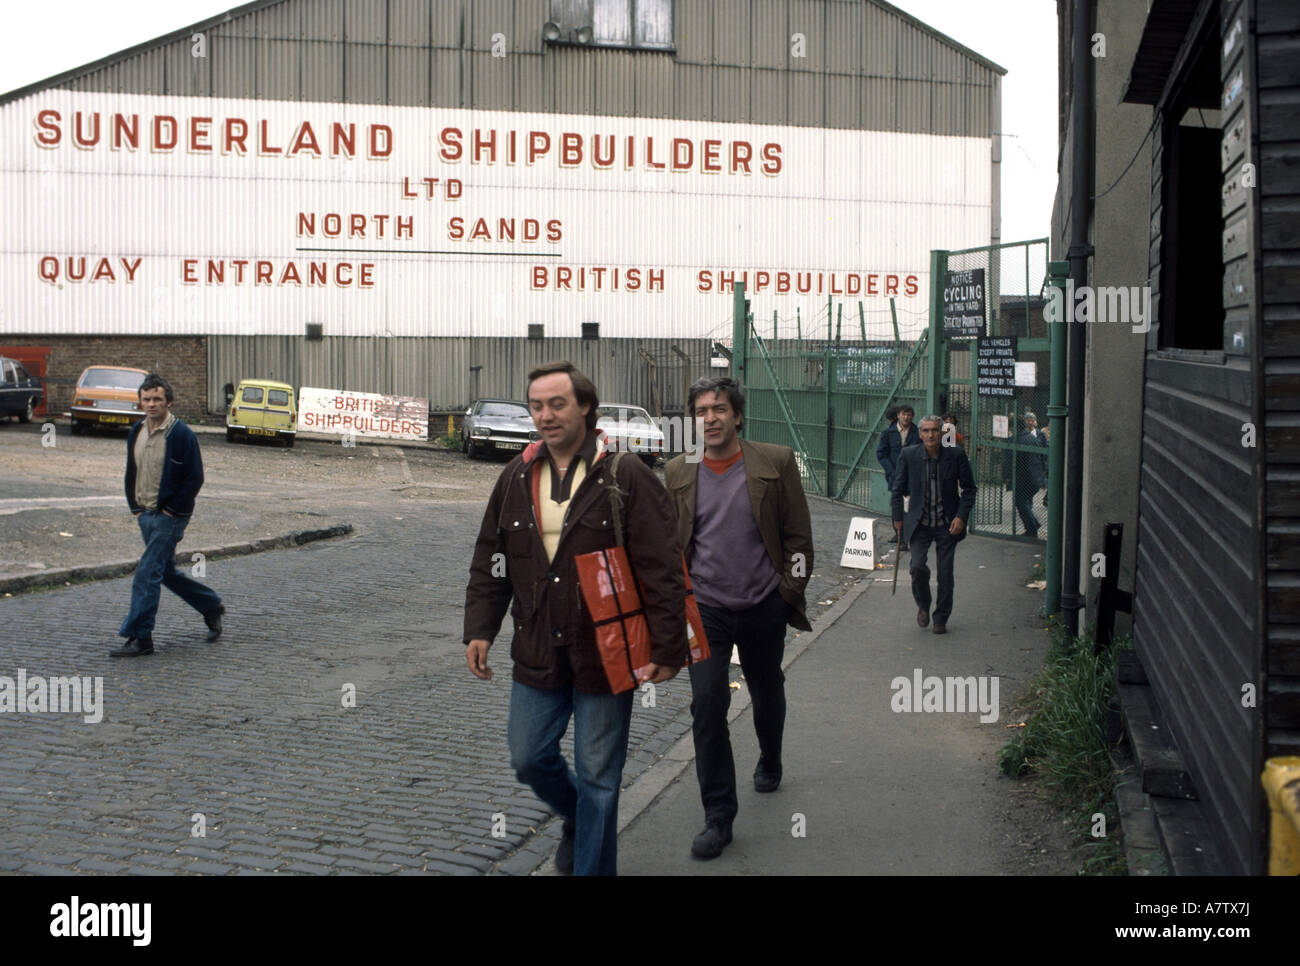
(1031, 472)
(931, 475)
(900, 434)
(744, 523)
(164, 472)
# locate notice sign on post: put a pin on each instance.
(995, 366)
(860, 546)
(963, 303)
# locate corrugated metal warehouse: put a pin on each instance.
(423, 197)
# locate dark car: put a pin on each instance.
(496, 426)
(20, 394)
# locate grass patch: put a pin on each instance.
(1064, 741)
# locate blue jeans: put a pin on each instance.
(538, 719)
(157, 568)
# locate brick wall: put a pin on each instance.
(181, 360)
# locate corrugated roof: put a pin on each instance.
(183, 35)
(941, 37)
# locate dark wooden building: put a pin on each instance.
(1216, 610)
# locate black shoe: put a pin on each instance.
(923, 617)
(767, 778)
(903, 545)
(134, 647)
(940, 628)
(213, 619)
(710, 843)
(564, 854)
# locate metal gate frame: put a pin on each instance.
(823, 397)
(995, 461)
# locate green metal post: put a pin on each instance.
(828, 358)
(862, 322)
(898, 343)
(839, 321)
(739, 336)
(938, 265)
(830, 314)
(798, 327)
(774, 327)
(1057, 411)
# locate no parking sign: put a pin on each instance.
(860, 545)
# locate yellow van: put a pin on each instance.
(262, 408)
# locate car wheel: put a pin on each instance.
(288, 442)
(30, 411)
(230, 435)
(649, 459)
(472, 451)
(77, 428)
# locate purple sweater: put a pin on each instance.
(729, 565)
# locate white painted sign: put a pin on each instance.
(1026, 373)
(341, 413)
(1001, 427)
(860, 545)
(143, 214)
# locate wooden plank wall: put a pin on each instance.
(1278, 52)
(1197, 597)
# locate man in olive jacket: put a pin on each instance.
(550, 505)
(744, 521)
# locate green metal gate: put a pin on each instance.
(826, 398)
(1014, 277)
(822, 387)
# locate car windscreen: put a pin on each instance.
(111, 379)
(616, 414)
(277, 397)
(503, 409)
(251, 394)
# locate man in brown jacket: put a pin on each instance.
(550, 505)
(744, 521)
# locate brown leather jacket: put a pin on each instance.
(554, 643)
(780, 509)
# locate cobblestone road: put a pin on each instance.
(249, 738)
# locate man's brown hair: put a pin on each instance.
(584, 390)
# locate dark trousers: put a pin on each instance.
(1025, 507)
(945, 545)
(759, 633)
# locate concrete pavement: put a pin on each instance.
(866, 789)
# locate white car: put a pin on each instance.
(631, 429)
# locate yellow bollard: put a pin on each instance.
(1281, 781)
(451, 425)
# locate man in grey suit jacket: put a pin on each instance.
(931, 475)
